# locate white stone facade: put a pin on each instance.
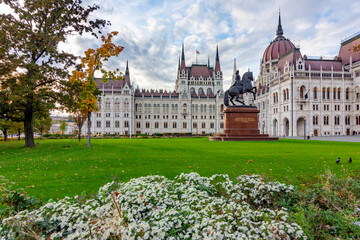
(195, 107)
(301, 96)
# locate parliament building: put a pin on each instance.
(297, 96)
(306, 96)
(194, 107)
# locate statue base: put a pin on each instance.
(241, 124)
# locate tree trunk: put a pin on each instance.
(79, 126)
(19, 132)
(41, 134)
(89, 133)
(5, 134)
(28, 126)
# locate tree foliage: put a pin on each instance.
(83, 91)
(63, 127)
(42, 123)
(32, 68)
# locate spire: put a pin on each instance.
(127, 73)
(179, 64)
(217, 60)
(279, 31)
(182, 66)
(208, 61)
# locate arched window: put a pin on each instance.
(208, 91)
(174, 125)
(284, 93)
(200, 91)
(126, 124)
(287, 94)
(107, 104)
(315, 92)
(165, 125)
(176, 108)
(184, 125)
(194, 125)
(222, 108)
(334, 93)
(126, 103)
(117, 104)
(156, 124)
(347, 95)
(138, 124)
(328, 93)
(323, 93)
(302, 89)
(203, 125)
(339, 94)
(147, 125)
(192, 90)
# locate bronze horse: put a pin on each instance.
(240, 87)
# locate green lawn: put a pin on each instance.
(51, 171)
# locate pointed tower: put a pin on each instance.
(279, 31)
(181, 83)
(217, 61)
(127, 74)
(182, 66)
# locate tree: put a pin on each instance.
(42, 123)
(31, 65)
(79, 119)
(17, 128)
(5, 126)
(63, 127)
(83, 79)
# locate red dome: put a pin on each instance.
(277, 48)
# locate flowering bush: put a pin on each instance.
(154, 207)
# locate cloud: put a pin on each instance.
(152, 32)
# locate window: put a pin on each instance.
(194, 125)
(107, 124)
(347, 95)
(339, 93)
(347, 120)
(117, 104)
(165, 125)
(328, 93)
(147, 125)
(184, 125)
(107, 114)
(337, 120)
(315, 93)
(221, 125)
(98, 115)
(138, 124)
(315, 120)
(174, 125)
(326, 120)
(126, 115)
(117, 124)
(334, 93)
(203, 125)
(156, 124)
(302, 89)
(98, 124)
(126, 124)
(117, 115)
(323, 93)
(212, 125)
(107, 104)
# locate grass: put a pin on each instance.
(52, 171)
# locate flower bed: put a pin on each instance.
(154, 207)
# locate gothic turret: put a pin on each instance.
(217, 61)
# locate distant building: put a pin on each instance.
(299, 95)
(195, 106)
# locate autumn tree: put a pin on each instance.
(63, 127)
(42, 123)
(29, 40)
(85, 102)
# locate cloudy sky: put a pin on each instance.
(152, 32)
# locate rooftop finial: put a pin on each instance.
(279, 31)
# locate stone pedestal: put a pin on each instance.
(241, 124)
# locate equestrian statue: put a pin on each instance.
(240, 87)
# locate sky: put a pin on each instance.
(152, 32)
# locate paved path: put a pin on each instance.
(331, 138)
